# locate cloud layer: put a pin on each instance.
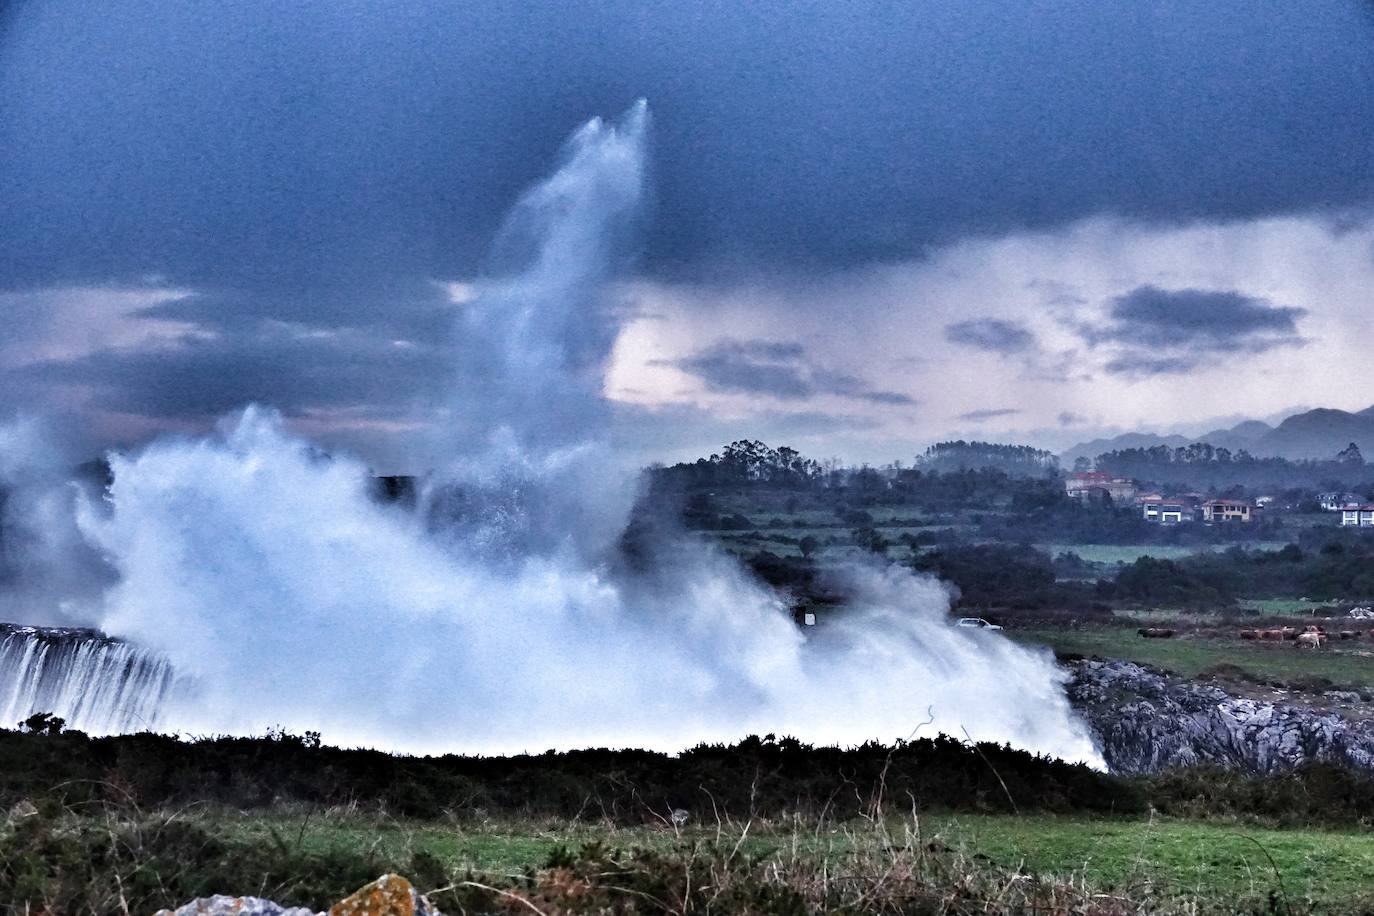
(1171, 331)
(271, 200)
(992, 334)
(778, 370)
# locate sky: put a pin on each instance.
(875, 225)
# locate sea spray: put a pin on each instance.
(500, 615)
(269, 575)
(49, 575)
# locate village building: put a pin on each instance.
(1357, 515)
(1335, 502)
(1166, 510)
(1227, 510)
(1084, 485)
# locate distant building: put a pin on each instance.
(1167, 511)
(1227, 510)
(1335, 502)
(1084, 485)
(1357, 515)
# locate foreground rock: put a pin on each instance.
(1146, 721)
(389, 895)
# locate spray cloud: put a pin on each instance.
(496, 619)
(49, 575)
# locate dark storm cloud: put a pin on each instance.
(197, 378)
(992, 334)
(1151, 316)
(319, 164)
(288, 145)
(418, 310)
(990, 414)
(780, 370)
(1171, 331)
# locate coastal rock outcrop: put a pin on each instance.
(1146, 721)
(389, 895)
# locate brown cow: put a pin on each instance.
(1349, 634)
(1249, 634)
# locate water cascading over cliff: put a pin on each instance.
(96, 684)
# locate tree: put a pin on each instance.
(1350, 456)
(807, 545)
(1017, 460)
(43, 723)
(870, 539)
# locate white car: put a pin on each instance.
(976, 623)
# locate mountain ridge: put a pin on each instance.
(1314, 434)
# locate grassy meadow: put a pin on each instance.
(916, 863)
(1190, 656)
(1171, 857)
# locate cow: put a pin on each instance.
(1249, 634)
(1309, 640)
(1273, 635)
(1349, 634)
(1155, 632)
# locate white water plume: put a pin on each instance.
(49, 575)
(530, 472)
(497, 618)
(269, 576)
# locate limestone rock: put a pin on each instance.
(222, 905)
(1146, 721)
(389, 895)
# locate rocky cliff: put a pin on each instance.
(1146, 721)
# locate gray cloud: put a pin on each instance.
(990, 414)
(1162, 332)
(201, 378)
(992, 334)
(781, 370)
(284, 146)
(317, 165)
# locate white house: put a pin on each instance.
(1357, 515)
(1166, 511)
(1335, 502)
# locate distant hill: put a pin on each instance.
(1096, 447)
(1312, 434)
(1241, 436)
(1319, 433)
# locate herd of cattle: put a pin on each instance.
(1311, 637)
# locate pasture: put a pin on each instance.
(1162, 858)
(1192, 655)
(1123, 554)
(1287, 606)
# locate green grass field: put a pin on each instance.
(1286, 606)
(1189, 656)
(1166, 857)
(1177, 857)
(1113, 554)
